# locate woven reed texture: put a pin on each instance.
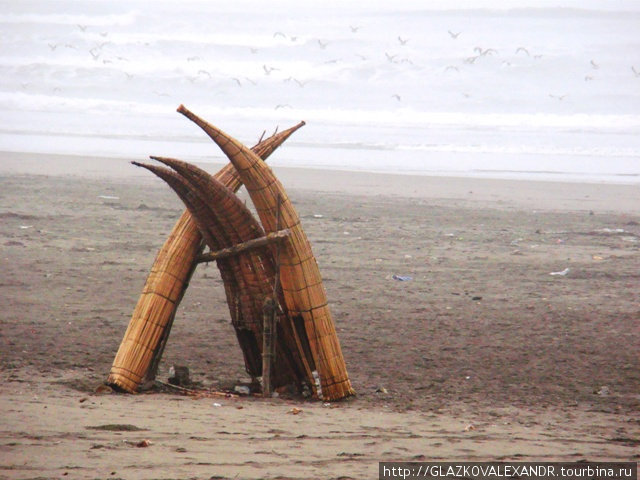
(300, 277)
(166, 284)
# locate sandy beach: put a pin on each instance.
(482, 354)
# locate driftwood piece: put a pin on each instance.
(268, 239)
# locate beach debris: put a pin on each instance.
(108, 197)
(381, 389)
(116, 427)
(242, 390)
(469, 428)
(562, 273)
(217, 405)
(179, 375)
(25, 227)
(295, 411)
(477, 298)
(103, 389)
(317, 215)
(143, 443)
(603, 391)
(402, 278)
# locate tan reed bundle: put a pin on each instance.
(302, 286)
(140, 350)
(225, 221)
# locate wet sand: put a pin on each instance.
(481, 355)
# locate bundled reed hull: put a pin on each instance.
(153, 315)
(248, 276)
(302, 287)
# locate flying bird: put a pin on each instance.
(322, 44)
(268, 70)
(204, 72)
(484, 52)
(522, 49)
(396, 96)
(279, 34)
(594, 65)
(390, 57)
(52, 46)
(635, 72)
(558, 97)
(283, 105)
(451, 67)
(82, 27)
(454, 35)
(354, 29)
(403, 41)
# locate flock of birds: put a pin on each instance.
(97, 54)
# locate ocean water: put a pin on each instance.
(516, 89)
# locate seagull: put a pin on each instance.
(588, 78)
(452, 67)
(537, 57)
(390, 57)
(471, 59)
(322, 44)
(522, 49)
(558, 97)
(594, 65)
(249, 80)
(300, 84)
(396, 96)
(94, 54)
(454, 35)
(204, 72)
(279, 34)
(403, 41)
(635, 72)
(268, 70)
(253, 50)
(82, 27)
(237, 80)
(52, 46)
(281, 105)
(104, 34)
(193, 59)
(354, 29)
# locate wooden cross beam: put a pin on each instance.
(244, 246)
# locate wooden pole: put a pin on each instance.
(269, 310)
(273, 237)
(270, 331)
